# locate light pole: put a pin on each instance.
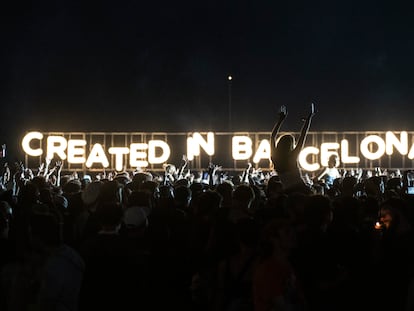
(229, 79)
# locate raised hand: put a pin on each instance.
(311, 113)
(283, 112)
(48, 161)
(41, 169)
(183, 166)
(217, 168)
(248, 168)
(50, 173)
(46, 167)
(59, 165)
(213, 168)
(313, 110)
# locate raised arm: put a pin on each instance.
(278, 124)
(183, 166)
(305, 128)
(46, 167)
(59, 165)
(246, 174)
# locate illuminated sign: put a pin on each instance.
(120, 151)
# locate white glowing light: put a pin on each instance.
(152, 155)
(56, 145)
(371, 147)
(119, 153)
(137, 156)
(97, 155)
(191, 151)
(327, 151)
(372, 139)
(26, 144)
(392, 141)
(411, 153)
(76, 151)
(241, 147)
(302, 159)
(196, 141)
(345, 157)
(262, 152)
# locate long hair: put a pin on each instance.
(285, 143)
(281, 156)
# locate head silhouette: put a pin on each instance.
(333, 161)
(286, 143)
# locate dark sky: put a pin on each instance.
(162, 65)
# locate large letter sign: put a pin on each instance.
(120, 151)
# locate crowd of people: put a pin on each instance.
(253, 241)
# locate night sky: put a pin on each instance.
(163, 65)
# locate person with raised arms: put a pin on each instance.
(285, 153)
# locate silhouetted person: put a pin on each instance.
(284, 153)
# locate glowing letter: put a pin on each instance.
(136, 153)
(56, 144)
(26, 144)
(119, 154)
(166, 152)
(262, 152)
(97, 155)
(326, 152)
(369, 140)
(411, 154)
(190, 149)
(303, 159)
(194, 143)
(241, 147)
(75, 154)
(345, 158)
(392, 140)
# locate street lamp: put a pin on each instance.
(229, 79)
